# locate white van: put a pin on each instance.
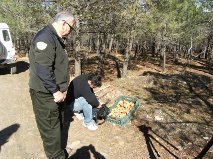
(7, 50)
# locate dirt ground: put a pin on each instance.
(157, 130)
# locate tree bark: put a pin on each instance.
(100, 54)
(163, 57)
(76, 50)
(189, 53)
(111, 42)
(98, 45)
(100, 68)
(116, 47)
(211, 56)
(136, 49)
(127, 55)
(90, 43)
(77, 67)
(207, 52)
(176, 53)
(153, 48)
(104, 42)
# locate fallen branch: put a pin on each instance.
(102, 89)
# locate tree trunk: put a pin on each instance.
(77, 67)
(111, 42)
(125, 64)
(153, 48)
(100, 68)
(162, 51)
(189, 53)
(176, 51)
(207, 52)
(127, 55)
(157, 46)
(104, 42)
(116, 46)
(98, 45)
(90, 43)
(163, 57)
(100, 54)
(76, 51)
(77, 59)
(211, 56)
(136, 49)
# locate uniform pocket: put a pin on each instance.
(48, 110)
(53, 116)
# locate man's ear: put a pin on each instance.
(90, 83)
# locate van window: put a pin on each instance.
(6, 35)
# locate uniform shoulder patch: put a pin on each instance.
(41, 45)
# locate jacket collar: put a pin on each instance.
(50, 26)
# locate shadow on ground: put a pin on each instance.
(85, 152)
(6, 133)
(181, 107)
(21, 66)
(110, 65)
(149, 139)
(190, 89)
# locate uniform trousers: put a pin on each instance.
(49, 116)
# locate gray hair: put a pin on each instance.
(64, 15)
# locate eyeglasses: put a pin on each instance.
(71, 28)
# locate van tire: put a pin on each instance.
(13, 70)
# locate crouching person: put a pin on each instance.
(81, 98)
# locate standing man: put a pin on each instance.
(49, 79)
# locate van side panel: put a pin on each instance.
(3, 52)
(6, 40)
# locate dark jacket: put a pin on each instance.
(49, 71)
(79, 87)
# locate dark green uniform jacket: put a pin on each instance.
(49, 71)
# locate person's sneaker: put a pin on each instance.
(79, 116)
(92, 127)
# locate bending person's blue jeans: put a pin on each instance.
(81, 104)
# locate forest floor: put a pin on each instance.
(173, 121)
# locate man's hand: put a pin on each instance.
(58, 97)
(100, 105)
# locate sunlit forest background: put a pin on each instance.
(164, 29)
